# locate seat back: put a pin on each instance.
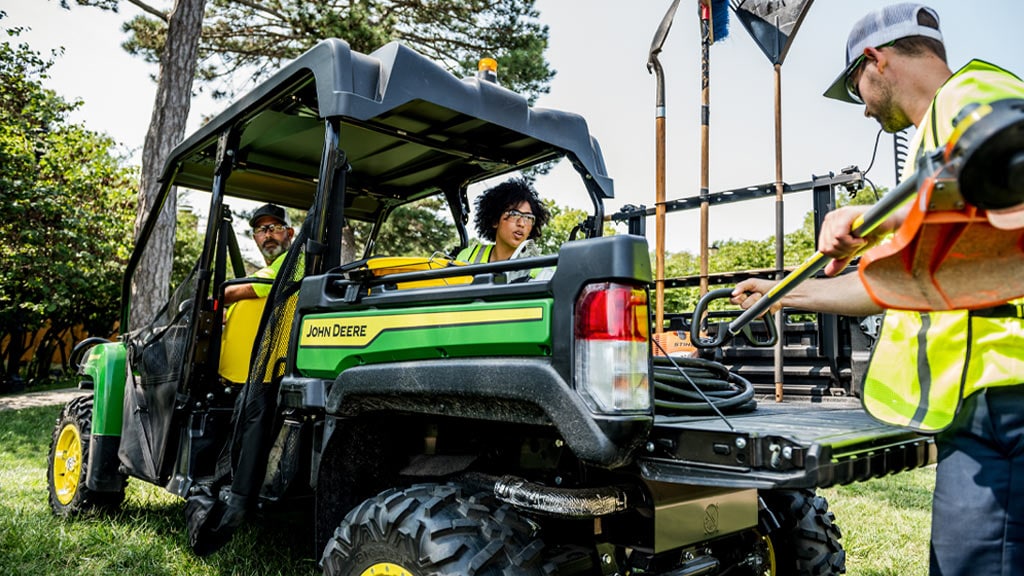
(385, 265)
(238, 338)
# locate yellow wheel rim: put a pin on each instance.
(770, 549)
(67, 464)
(385, 569)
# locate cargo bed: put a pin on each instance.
(782, 445)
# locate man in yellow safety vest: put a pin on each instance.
(957, 374)
(273, 234)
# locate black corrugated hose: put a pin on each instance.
(689, 386)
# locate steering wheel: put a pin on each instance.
(702, 319)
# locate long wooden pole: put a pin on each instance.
(659, 221)
(779, 230)
(705, 98)
(654, 66)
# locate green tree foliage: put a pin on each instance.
(559, 227)
(864, 197)
(742, 255)
(254, 37)
(66, 211)
(725, 256)
(188, 245)
(417, 229)
(801, 243)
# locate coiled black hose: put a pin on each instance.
(676, 378)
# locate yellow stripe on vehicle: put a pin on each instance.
(359, 331)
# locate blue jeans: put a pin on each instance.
(978, 505)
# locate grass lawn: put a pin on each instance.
(146, 537)
(884, 524)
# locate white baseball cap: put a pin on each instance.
(878, 28)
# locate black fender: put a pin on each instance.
(513, 390)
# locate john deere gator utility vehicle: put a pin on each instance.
(436, 417)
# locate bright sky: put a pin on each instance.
(599, 49)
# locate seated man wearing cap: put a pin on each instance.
(273, 235)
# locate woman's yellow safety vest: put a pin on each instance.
(475, 254)
(925, 363)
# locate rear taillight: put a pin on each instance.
(612, 347)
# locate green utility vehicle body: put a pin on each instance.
(528, 404)
(332, 342)
(104, 369)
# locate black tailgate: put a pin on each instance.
(782, 445)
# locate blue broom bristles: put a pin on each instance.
(719, 20)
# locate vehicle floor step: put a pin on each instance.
(787, 351)
(788, 369)
(799, 390)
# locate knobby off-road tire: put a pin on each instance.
(68, 462)
(807, 543)
(433, 529)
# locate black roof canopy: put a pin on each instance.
(408, 126)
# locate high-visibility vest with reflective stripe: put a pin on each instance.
(475, 254)
(924, 364)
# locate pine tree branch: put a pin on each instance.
(165, 16)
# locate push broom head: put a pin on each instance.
(718, 12)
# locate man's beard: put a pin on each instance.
(891, 117)
(272, 249)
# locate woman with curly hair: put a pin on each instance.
(507, 215)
